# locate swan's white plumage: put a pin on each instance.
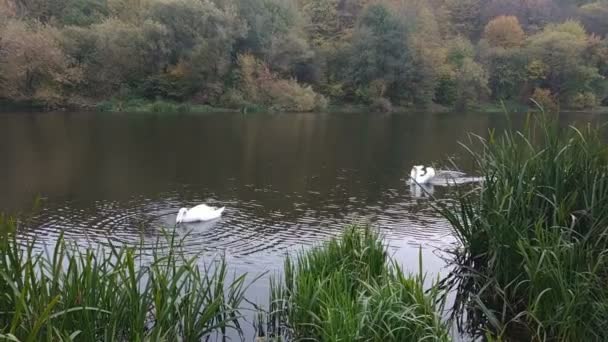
(422, 175)
(201, 212)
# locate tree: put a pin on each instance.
(201, 42)
(34, 66)
(65, 12)
(463, 82)
(129, 10)
(504, 31)
(82, 12)
(277, 36)
(260, 86)
(465, 17)
(506, 70)
(561, 48)
(194, 22)
(500, 52)
(532, 14)
(380, 51)
(427, 48)
(116, 54)
(322, 18)
(595, 17)
(471, 83)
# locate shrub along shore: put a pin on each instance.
(531, 265)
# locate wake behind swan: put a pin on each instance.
(420, 174)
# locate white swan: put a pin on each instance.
(201, 212)
(421, 174)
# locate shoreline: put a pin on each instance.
(159, 106)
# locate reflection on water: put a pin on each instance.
(422, 190)
(287, 180)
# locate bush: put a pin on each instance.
(532, 263)
(584, 100)
(260, 86)
(348, 290)
(34, 67)
(381, 105)
(545, 100)
(446, 92)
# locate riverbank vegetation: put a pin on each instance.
(300, 55)
(348, 289)
(532, 262)
(66, 293)
(344, 289)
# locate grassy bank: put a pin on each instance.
(532, 263)
(111, 294)
(349, 290)
(345, 290)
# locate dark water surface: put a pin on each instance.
(287, 180)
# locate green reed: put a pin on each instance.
(112, 293)
(348, 289)
(534, 236)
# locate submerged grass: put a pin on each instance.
(111, 294)
(534, 237)
(349, 290)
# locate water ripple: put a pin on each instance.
(248, 229)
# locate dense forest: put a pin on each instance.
(301, 55)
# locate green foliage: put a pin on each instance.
(198, 24)
(82, 12)
(465, 17)
(259, 86)
(584, 100)
(505, 32)
(112, 294)
(466, 79)
(34, 67)
(457, 53)
(324, 20)
(507, 71)
(445, 93)
(532, 264)
(276, 36)
(459, 49)
(593, 16)
(561, 49)
(348, 290)
(66, 12)
(544, 99)
(428, 51)
(380, 51)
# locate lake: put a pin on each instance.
(287, 181)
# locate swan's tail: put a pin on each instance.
(220, 210)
